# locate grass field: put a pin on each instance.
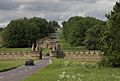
(9, 64)
(14, 49)
(62, 70)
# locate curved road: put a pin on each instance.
(22, 72)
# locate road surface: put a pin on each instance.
(22, 72)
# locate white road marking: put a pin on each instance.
(12, 73)
(20, 71)
(1, 77)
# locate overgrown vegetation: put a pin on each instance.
(62, 70)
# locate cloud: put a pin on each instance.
(8, 5)
(83, 1)
(58, 10)
(49, 7)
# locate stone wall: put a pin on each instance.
(18, 55)
(93, 56)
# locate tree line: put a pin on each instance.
(96, 34)
(78, 31)
(24, 32)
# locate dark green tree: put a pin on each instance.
(52, 26)
(14, 34)
(93, 40)
(23, 32)
(111, 38)
(74, 29)
(1, 29)
(36, 29)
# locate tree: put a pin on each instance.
(37, 28)
(74, 29)
(1, 29)
(111, 38)
(14, 34)
(23, 32)
(52, 26)
(93, 40)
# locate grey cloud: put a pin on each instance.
(97, 14)
(8, 5)
(58, 10)
(49, 7)
(83, 1)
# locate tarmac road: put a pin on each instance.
(22, 72)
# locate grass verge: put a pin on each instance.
(10, 64)
(62, 70)
(14, 49)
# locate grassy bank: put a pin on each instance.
(14, 49)
(62, 70)
(13, 63)
(9, 64)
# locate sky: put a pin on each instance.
(58, 10)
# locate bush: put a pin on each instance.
(111, 60)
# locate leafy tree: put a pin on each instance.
(111, 38)
(63, 23)
(14, 34)
(23, 32)
(1, 29)
(93, 40)
(74, 29)
(52, 26)
(36, 29)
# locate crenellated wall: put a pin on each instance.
(18, 55)
(84, 56)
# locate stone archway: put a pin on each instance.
(51, 44)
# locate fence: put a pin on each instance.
(93, 56)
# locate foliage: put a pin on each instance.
(74, 29)
(52, 26)
(23, 32)
(63, 70)
(65, 46)
(93, 40)
(1, 29)
(111, 38)
(14, 34)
